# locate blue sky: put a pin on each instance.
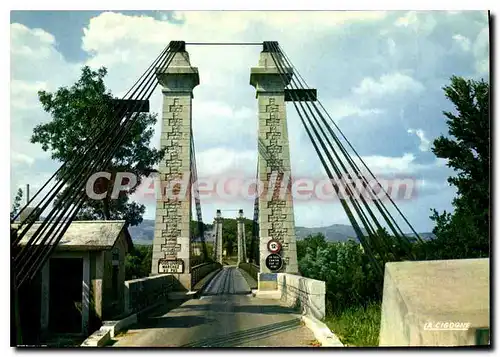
(379, 75)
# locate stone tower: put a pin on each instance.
(171, 246)
(242, 256)
(276, 218)
(218, 236)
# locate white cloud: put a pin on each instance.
(424, 142)
(344, 108)
(388, 84)
(483, 66)
(36, 58)
(387, 164)
(422, 23)
(24, 94)
(225, 109)
(220, 161)
(408, 19)
(213, 120)
(391, 44)
(17, 157)
(397, 165)
(462, 41)
(440, 162)
(431, 185)
(481, 50)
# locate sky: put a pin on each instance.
(379, 75)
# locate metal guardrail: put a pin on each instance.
(252, 269)
(200, 271)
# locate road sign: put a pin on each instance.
(274, 246)
(274, 262)
(170, 266)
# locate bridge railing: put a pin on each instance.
(252, 269)
(200, 271)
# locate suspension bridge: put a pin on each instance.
(233, 309)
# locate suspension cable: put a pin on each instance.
(400, 236)
(357, 155)
(78, 198)
(353, 221)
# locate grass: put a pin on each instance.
(357, 326)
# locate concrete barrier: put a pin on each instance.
(200, 271)
(99, 338)
(306, 294)
(321, 332)
(435, 303)
(108, 331)
(141, 293)
(252, 269)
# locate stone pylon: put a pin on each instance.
(218, 237)
(276, 219)
(242, 256)
(171, 246)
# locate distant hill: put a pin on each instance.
(344, 232)
(144, 233)
(333, 233)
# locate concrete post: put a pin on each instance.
(218, 237)
(276, 219)
(241, 237)
(171, 248)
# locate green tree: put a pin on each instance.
(465, 233)
(229, 236)
(17, 203)
(138, 262)
(312, 242)
(78, 113)
(349, 277)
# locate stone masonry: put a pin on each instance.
(171, 247)
(241, 238)
(276, 219)
(218, 237)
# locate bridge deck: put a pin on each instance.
(229, 281)
(225, 316)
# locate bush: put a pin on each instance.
(350, 279)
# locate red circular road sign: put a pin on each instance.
(274, 246)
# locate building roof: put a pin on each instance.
(86, 235)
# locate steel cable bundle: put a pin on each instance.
(324, 140)
(28, 259)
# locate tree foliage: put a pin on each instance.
(78, 114)
(138, 262)
(230, 235)
(350, 279)
(17, 203)
(465, 233)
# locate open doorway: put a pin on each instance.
(65, 307)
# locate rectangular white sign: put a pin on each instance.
(171, 266)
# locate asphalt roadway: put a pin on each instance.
(226, 315)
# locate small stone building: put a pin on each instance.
(83, 281)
